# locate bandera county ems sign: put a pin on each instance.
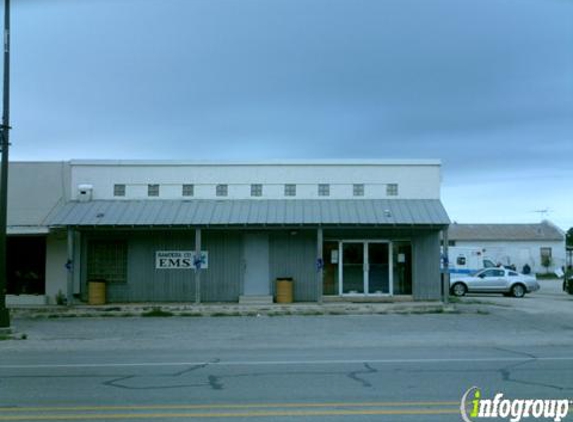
(180, 260)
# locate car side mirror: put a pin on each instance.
(482, 275)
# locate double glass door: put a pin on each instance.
(365, 268)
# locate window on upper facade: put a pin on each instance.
(290, 190)
(152, 190)
(358, 189)
(222, 190)
(188, 190)
(257, 190)
(323, 189)
(392, 189)
(545, 252)
(118, 190)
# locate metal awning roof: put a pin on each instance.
(230, 212)
(27, 230)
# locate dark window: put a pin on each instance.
(290, 190)
(461, 260)
(119, 190)
(152, 190)
(26, 264)
(222, 190)
(392, 189)
(188, 190)
(358, 189)
(323, 189)
(257, 190)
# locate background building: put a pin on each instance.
(517, 244)
(36, 255)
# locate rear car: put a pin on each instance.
(494, 280)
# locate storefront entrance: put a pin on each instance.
(367, 268)
(364, 268)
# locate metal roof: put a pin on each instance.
(510, 232)
(205, 212)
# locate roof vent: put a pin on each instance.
(85, 193)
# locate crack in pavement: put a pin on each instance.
(354, 375)
(216, 382)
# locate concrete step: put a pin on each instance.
(255, 300)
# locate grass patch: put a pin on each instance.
(157, 312)
(482, 312)
(225, 314)
(426, 311)
(548, 276)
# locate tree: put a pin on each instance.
(569, 238)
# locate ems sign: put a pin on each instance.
(181, 260)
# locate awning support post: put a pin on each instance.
(319, 263)
(446, 267)
(70, 267)
(197, 264)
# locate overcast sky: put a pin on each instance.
(484, 85)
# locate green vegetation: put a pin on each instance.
(546, 261)
(157, 312)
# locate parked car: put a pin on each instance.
(494, 280)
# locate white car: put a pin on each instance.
(494, 280)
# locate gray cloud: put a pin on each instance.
(484, 85)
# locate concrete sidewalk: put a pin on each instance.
(229, 309)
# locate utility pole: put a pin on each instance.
(4, 313)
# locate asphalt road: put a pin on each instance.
(307, 368)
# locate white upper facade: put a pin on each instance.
(341, 179)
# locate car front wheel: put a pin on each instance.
(518, 290)
(459, 289)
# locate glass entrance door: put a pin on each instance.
(352, 268)
(364, 268)
(379, 268)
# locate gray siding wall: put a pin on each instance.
(295, 256)
(426, 266)
(221, 282)
(145, 283)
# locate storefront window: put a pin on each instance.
(402, 261)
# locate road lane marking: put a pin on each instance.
(228, 406)
(287, 413)
(287, 362)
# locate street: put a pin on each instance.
(366, 368)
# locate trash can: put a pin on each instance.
(284, 290)
(96, 292)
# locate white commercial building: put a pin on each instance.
(517, 244)
(180, 231)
